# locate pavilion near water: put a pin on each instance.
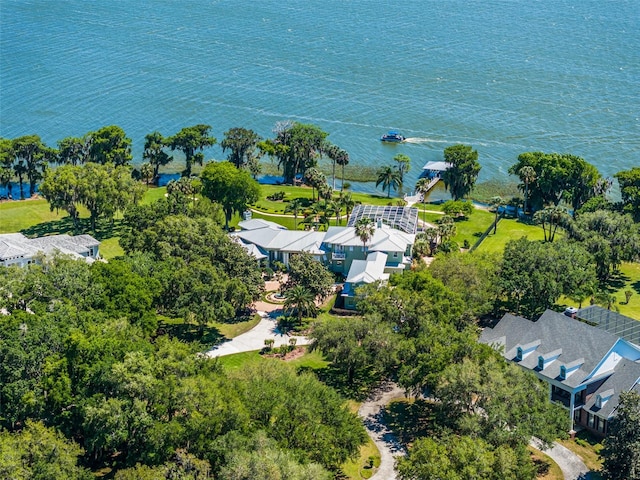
(434, 169)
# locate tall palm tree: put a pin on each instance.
(365, 228)
(346, 200)
(496, 203)
(389, 178)
(295, 206)
(146, 172)
(299, 300)
(343, 160)
(422, 187)
(527, 174)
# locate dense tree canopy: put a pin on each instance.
(191, 141)
(297, 147)
(242, 144)
(103, 189)
(622, 446)
(462, 174)
(629, 181)
(109, 145)
(611, 237)
(233, 189)
(534, 275)
(556, 177)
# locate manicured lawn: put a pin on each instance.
(231, 330)
(18, 215)
(469, 228)
(545, 463)
(21, 215)
(629, 281)
(309, 361)
(110, 248)
(510, 229)
(240, 360)
(359, 468)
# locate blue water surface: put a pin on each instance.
(503, 76)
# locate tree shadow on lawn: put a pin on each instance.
(103, 231)
(189, 332)
(357, 389)
(617, 281)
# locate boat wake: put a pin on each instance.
(422, 140)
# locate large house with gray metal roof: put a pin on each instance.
(339, 248)
(586, 367)
(16, 249)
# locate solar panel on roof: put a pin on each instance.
(402, 218)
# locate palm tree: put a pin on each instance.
(446, 227)
(336, 209)
(422, 187)
(343, 160)
(365, 228)
(527, 174)
(346, 200)
(146, 172)
(404, 163)
(554, 217)
(389, 177)
(496, 203)
(300, 300)
(295, 206)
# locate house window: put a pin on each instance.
(598, 401)
(519, 354)
(540, 363)
(351, 249)
(395, 254)
(590, 420)
(563, 372)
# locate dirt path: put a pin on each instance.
(372, 417)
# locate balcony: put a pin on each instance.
(338, 256)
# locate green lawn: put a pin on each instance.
(629, 280)
(509, 229)
(309, 361)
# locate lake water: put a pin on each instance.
(503, 76)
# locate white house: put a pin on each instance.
(16, 249)
(339, 248)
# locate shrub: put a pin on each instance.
(277, 196)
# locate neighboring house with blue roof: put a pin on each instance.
(586, 368)
(339, 248)
(16, 249)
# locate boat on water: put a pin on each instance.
(393, 136)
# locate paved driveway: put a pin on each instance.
(254, 338)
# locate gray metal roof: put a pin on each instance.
(401, 218)
(612, 322)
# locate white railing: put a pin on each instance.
(338, 256)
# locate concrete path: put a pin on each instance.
(254, 338)
(572, 466)
(372, 417)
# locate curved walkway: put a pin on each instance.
(572, 466)
(254, 338)
(372, 417)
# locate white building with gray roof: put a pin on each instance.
(586, 368)
(16, 249)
